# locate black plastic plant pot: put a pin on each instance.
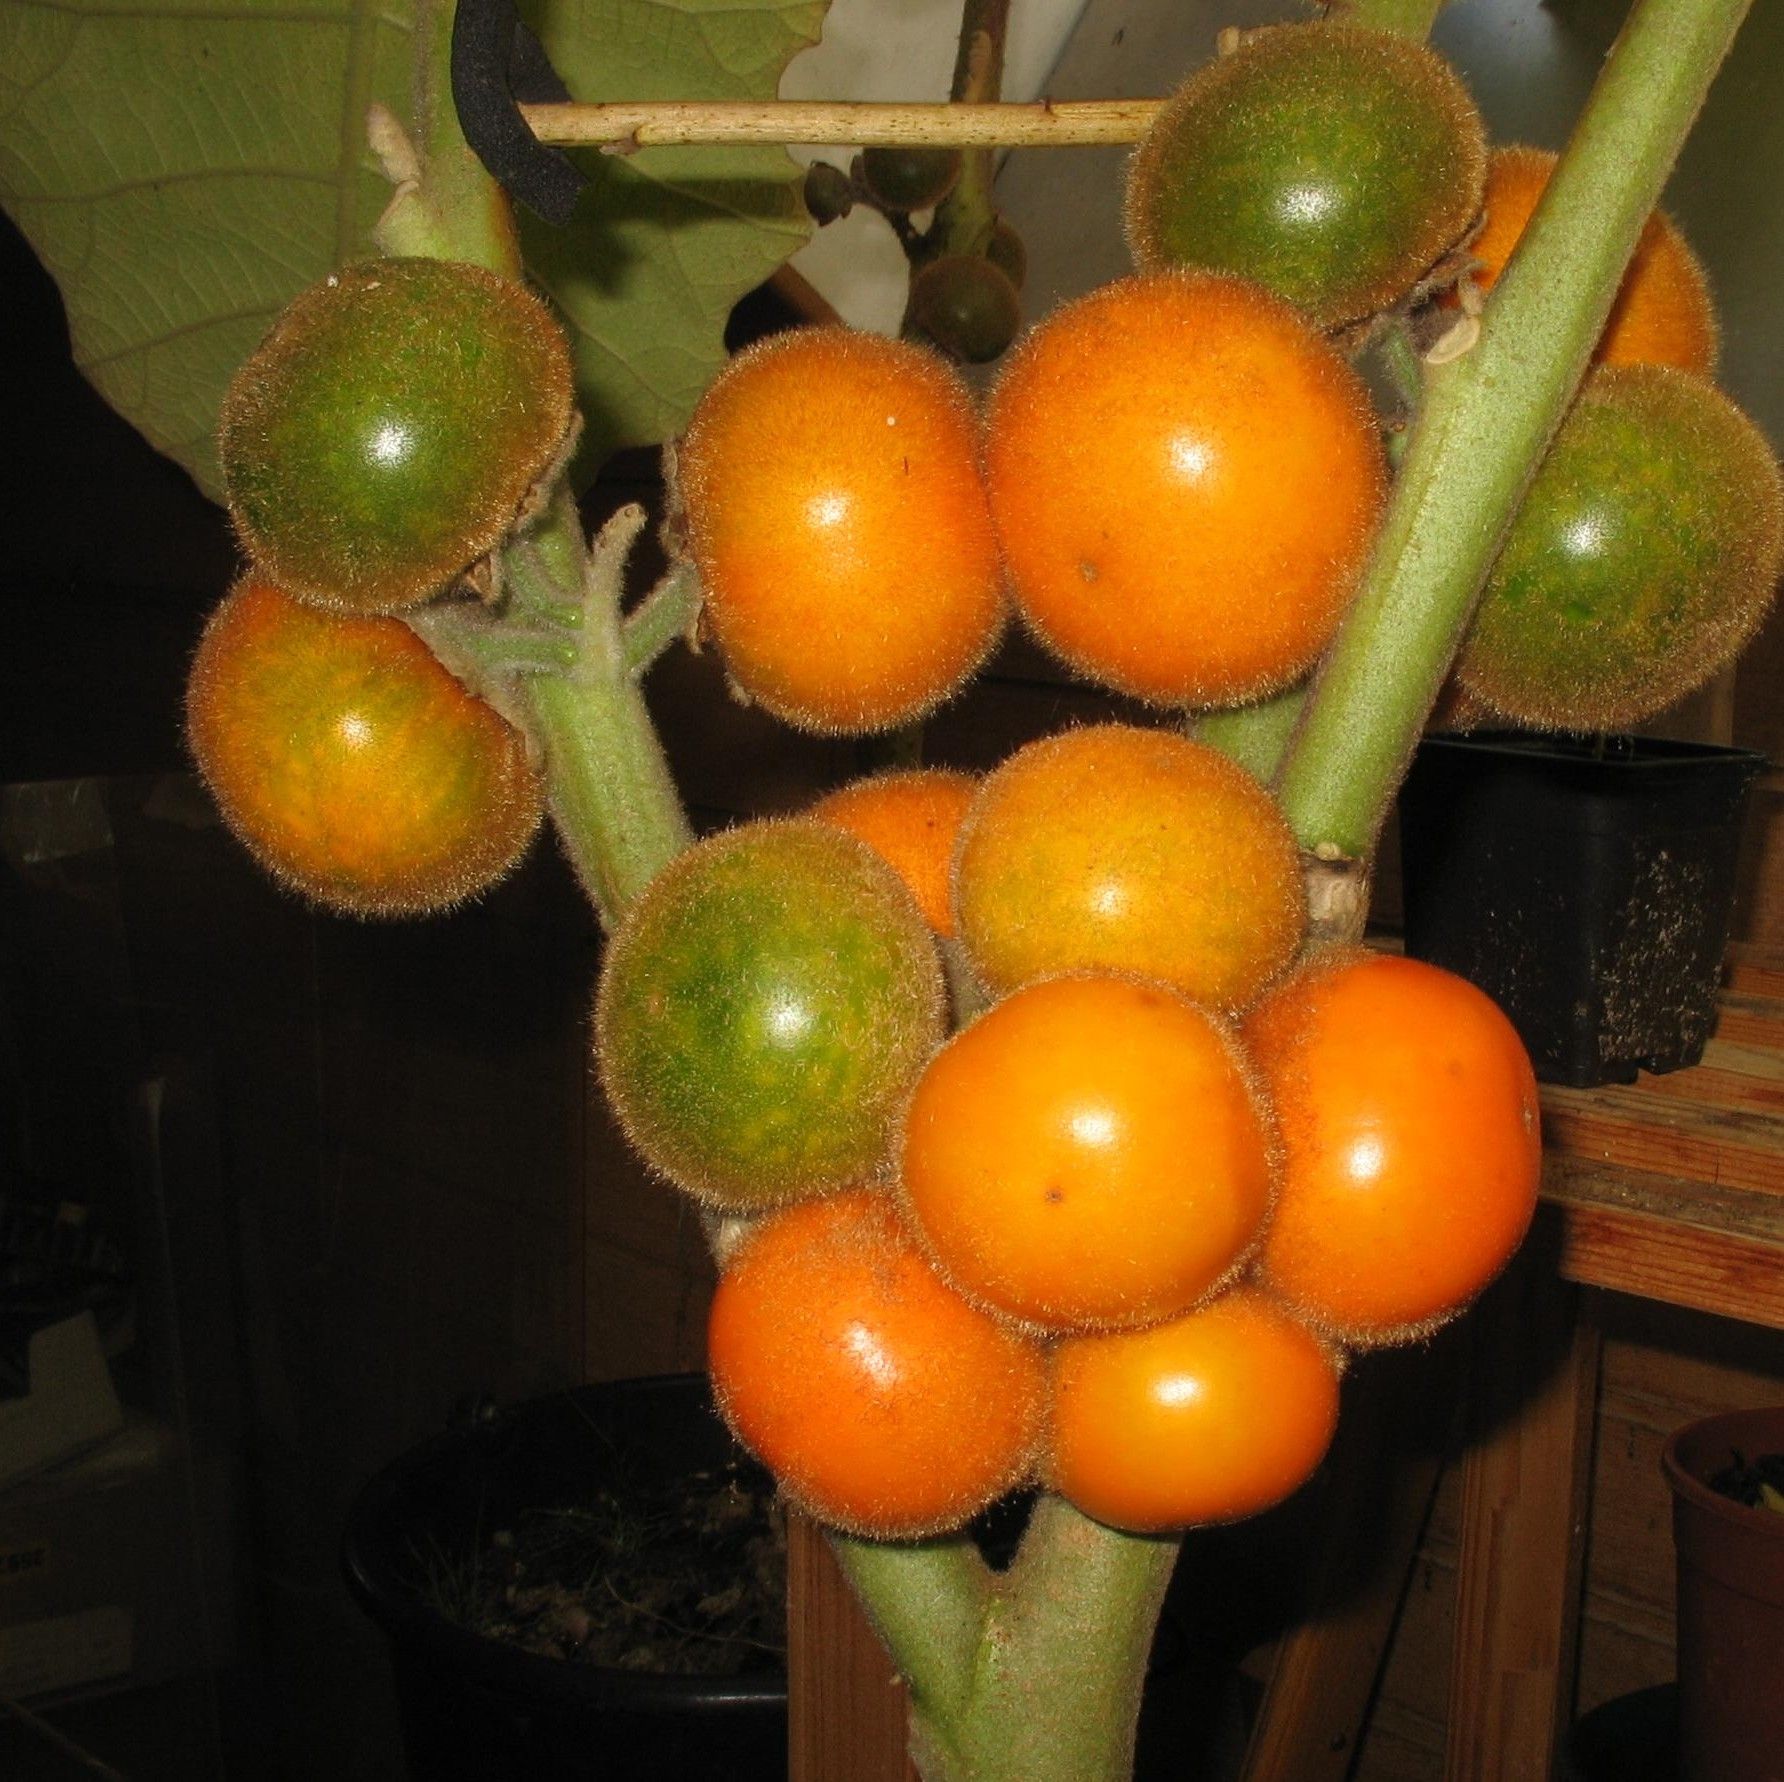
(1586, 884)
(477, 1709)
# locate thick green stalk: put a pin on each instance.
(1487, 419)
(612, 796)
(1055, 1687)
(1405, 18)
(1255, 736)
(966, 217)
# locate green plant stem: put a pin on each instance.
(667, 612)
(929, 1601)
(1055, 1681)
(1255, 736)
(612, 796)
(1487, 418)
(447, 207)
(965, 218)
(1405, 18)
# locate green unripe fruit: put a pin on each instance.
(910, 178)
(1333, 164)
(1007, 251)
(764, 1014)
(1644, 556)
(967, 306)
(385, 434)
(829, 192)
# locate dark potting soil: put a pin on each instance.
(1759, 1485)
(686, 1576)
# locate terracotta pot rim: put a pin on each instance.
(1697, 1491)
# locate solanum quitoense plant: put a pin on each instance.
(989, 1276)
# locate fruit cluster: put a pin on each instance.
(1116, 1232)
(379, 445)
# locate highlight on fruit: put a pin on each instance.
(388, 431)
(1333, 164)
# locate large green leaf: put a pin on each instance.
(184, 167)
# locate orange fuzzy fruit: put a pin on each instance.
(837, 517)
(1090, 1153)
(1663, 314)
(910, 820)
(350, 763)
(1411, 1143)
(1185, 479)
(880, 1400)
(1116, 848)
(1208, 1418)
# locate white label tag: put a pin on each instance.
(65, 1651)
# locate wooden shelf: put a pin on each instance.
(1673, 1187)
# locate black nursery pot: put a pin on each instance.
(480, 1710)
(1587, 885)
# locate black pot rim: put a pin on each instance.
(378, 1586)
(1651, 752)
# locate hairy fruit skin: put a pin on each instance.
(1186, 480)
(1645, 554)
(1118, 848)
(1333, 164)
(384, 435)
(1208, 1418)
(763, 1012)
(911, 820)
(1091, 1153)
(1411, 1143)
(1663, 314)
(350, 763)
(882, 1402)
(837, 517)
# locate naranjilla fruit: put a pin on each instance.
(1644, 556)
(1185, 479)
(1207, 1418)
(1411, 1148)
(350, 763)
(763, 1013)
(387, 432)
(837, 518)
(911, 819)
(883, 1402)
(1663, 314)
(1090, 1153)
(967, 306)
(1333, 164)
(910, 178)
(1116, 848)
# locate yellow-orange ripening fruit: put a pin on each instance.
(1410, 1140)
(1334, 165)
(1185, 479)
(881, 1400)
(350, 763)
(1116, 848)
(1090, 1153)
(1663, 314)
(911, 820)
(1211, 1417)
(836, 514)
